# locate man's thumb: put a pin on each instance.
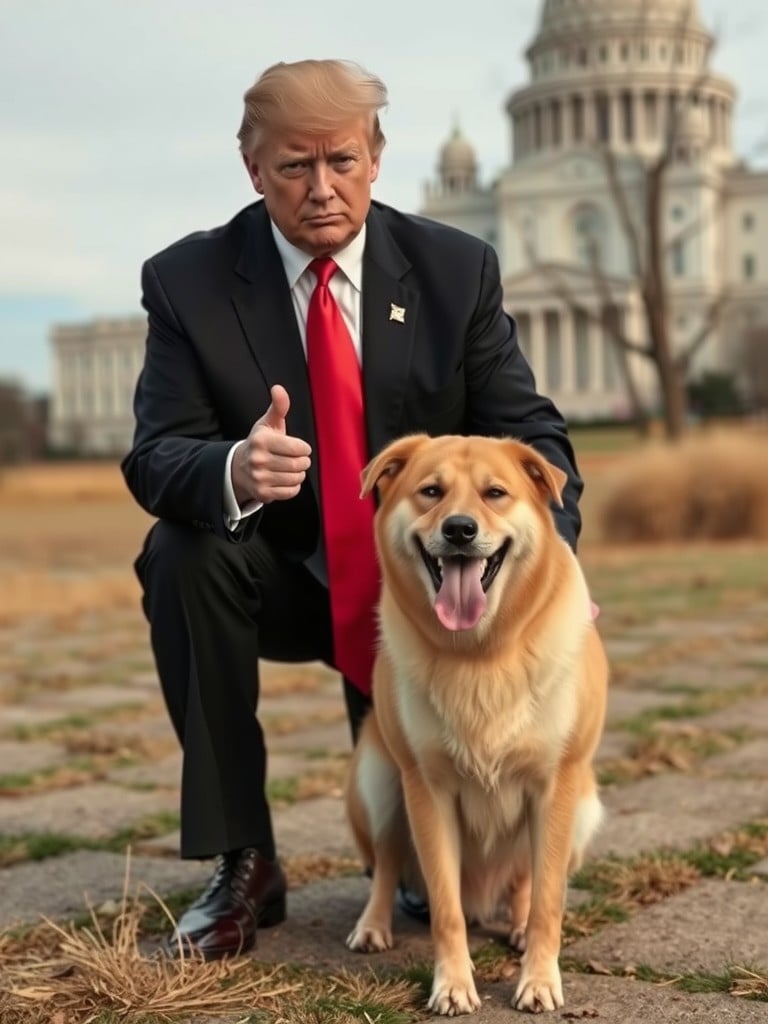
(275, 415)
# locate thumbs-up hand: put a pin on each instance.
(270, 465)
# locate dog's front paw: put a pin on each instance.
(539, 990)
(453, 994)
(369, 938)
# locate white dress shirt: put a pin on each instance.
(346, 288)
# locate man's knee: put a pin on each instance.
(179, 556)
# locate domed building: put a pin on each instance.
(611, 83)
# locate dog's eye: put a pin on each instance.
(431, 491)
(495, 492)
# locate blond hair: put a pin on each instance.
(311, 96)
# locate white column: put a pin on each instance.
(538, 356)
(567, 347)
(595, 336)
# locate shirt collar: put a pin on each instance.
(349, 259)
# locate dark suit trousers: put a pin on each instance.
(214, 608)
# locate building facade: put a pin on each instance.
(605, 76)
(613, 84)
(96, 366)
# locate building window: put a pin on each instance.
(748, 221)
(577, 118)
(603, 51)
(588, 236)
(628, 116)
(553, 351)
(613, 325)
(523, 322)
(651, 116)
(602, 114)
(582, 353)
(677, 254)
(555, 124)
(624, 51)
(749, 265)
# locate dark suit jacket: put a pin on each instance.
(222, 331)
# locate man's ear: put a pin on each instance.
(385, 466)
(253, 173)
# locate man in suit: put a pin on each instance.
(235, 454)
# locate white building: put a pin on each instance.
(96, 366)
(605, 74)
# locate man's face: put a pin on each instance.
(317, 188)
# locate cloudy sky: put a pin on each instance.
(118, 121)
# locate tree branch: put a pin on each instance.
(711, 319)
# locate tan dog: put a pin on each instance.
(490, 691)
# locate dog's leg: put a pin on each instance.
(377, 788)
(520, 907)
(435, 830)
(552, 825)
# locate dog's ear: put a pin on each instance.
(549, 480)
(390, 460)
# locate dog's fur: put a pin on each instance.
(487, 713)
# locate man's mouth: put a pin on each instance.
(461, 583)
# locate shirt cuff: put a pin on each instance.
(233, 513)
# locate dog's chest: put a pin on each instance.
(490, 743)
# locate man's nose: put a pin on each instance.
(321, 184)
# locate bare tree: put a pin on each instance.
(754, 366)
(15, 419)
(637, 186)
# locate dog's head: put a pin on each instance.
(457, 518)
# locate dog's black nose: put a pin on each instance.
(459, 530)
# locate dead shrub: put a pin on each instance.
(709, 486)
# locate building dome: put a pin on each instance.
(457, 155)
(458, 164)
(562, 15)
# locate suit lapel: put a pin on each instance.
(390, 311)
(264, 306)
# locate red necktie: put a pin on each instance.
(337, 399)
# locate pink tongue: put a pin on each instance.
(460, 601)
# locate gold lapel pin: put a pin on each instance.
(397, 313)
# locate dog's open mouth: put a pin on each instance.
(461, 584)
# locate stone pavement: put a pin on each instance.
(88, 765)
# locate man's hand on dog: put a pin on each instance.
(270, 465)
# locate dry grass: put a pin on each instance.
(749, 984)
(620, 888)
(709, 486)
(301, 869)
(64, 975)
(69, 481)
(88, 973)
(675, 746)
(64, 599)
